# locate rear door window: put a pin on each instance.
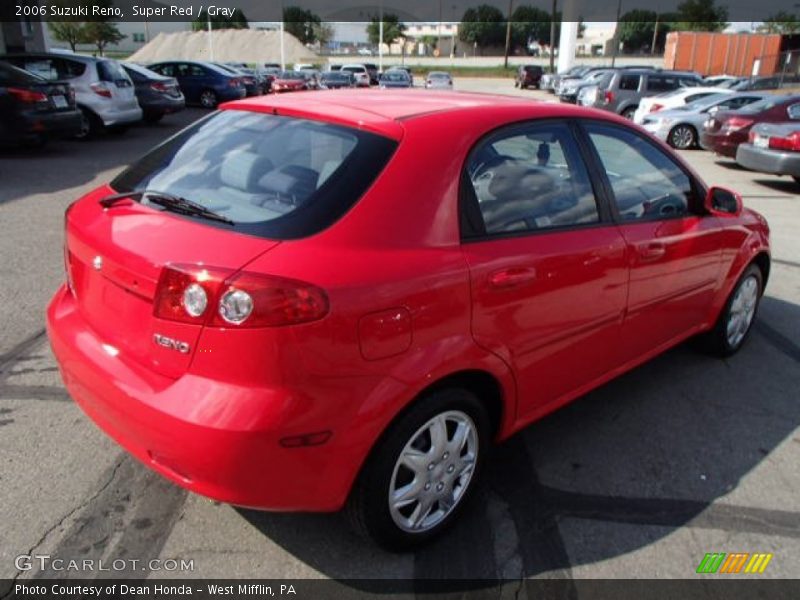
(273, 176)
(661, 83)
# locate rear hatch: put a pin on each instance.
(115, 80)
(115, 257)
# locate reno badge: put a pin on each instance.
(171, 344)
(97, 263)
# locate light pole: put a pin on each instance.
(508, 34)
(380, 39)
(553, 37)
(210, 38)
(615, 49)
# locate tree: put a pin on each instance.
(700, 15)
(323, 33)
(484, 26)
(636, 28)
(71, 32)
(781, 22)
(530, 24)
(237, 21)
(392, 29)
(301, 23)
(101, 34)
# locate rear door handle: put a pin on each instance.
(651, 250)
(512, 277)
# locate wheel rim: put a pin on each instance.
(433, 471)
(742, 311)
(682, 137)
(208, 99)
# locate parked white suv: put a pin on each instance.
(359, 72)
(103, 91)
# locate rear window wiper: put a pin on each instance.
(169, 202)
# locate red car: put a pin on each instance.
(724, 131)
(297, 305)
(290, 81)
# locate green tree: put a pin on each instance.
(781, 22)
(484, 25)
(101, 34)
(237, 21)
(392, 29)
(700, 15)
(71, 32)
(301, 23)
(529, 23)
(636, 28)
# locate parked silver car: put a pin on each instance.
(679, 126)
(772, 148)
(104, 92)
(438, 80)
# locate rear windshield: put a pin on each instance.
(273, 176)
(762, 105)
(12, 75)
(112, 71)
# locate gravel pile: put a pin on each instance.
(240, 45)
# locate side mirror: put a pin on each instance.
(723, 202)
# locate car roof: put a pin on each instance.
(75, 57)
(384, 111)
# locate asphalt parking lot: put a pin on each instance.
(639, 479)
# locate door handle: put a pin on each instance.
(512, 277)
(651, 250)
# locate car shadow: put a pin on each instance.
(654, 448)
(786, 186)
(65, 164)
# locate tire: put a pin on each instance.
(629, 112)
(90, 125)
(208, 99)
(682, 137)
(743, 301)
(443, 481)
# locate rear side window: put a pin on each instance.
(661, 83)
(273, 176)
(529, 178)
(51, 68)
(629, 82)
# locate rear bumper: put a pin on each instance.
(720, 143)
(768, 161)
(162, 105)
(112, 116)
(49, 124)
(213, 438)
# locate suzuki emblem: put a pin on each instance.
(97, 263)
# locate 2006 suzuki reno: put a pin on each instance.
(341, 300)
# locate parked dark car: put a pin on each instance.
(334, 80)
(247, 77)
(528, 76)
(157, 95)
(724, 131)
(202, 83)
(33, 109)
(772, 148)
(395, 79)
(767, 82)
(406, 70)
(269, 74)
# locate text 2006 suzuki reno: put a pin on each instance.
(342, 299)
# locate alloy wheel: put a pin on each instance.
(742, 311)
(433, 471)
(208, 99)
(682, 137)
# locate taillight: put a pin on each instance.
(222, 298)
(608, 97)
(71, 95)
(656, 107)
(233, 82)
(101, 90)
(791, 142)
(159, 87)
(27, 96)
(737, 123)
